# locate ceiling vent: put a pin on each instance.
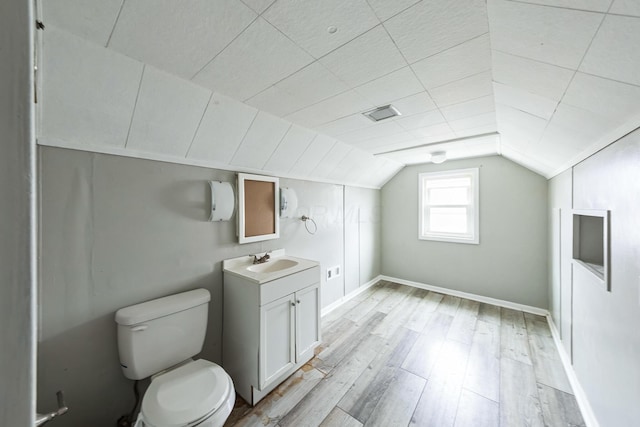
(381, 113)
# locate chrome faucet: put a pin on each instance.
(262, 259)
(62, 408)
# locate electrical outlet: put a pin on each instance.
(333, 272)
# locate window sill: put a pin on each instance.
(466, 241)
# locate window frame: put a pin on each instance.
(472, 237)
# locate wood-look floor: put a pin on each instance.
(400, 356)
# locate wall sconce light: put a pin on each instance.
(223, 201)
(288, 202)
(438, 157)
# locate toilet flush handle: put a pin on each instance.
(62, 408)
(139, 328)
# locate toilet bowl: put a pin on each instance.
(157, 338)
(199, 393)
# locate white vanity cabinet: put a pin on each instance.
(270, 329)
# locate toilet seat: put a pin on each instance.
(186, 395)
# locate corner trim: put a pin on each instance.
(328, 309)
(474, 297)
(581, 396)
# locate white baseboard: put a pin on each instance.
(328, 309)
(474, 297)
(581, 397)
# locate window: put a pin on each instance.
(449, 206)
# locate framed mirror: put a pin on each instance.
(258, 208)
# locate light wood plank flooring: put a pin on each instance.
(400, 356)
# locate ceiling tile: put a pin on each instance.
(614, 52)
(588, 124)
(371, 55)
(306, 22)
(527, 127)
(464, 60)
(548, 34)
(306, 87)
(481, 120)
(175, 38)
(525, 101)
(89, 20)
(476, 131)
(383, 173)
(345, 124)
(275, 101)
(258, 58)
(463, 90)
(430, 27)
(481, 105)
(570, 132)
(314, 153)
(386, 128)
(355, 159)
(95, 106)
(331, 160)
(420, 120)
(414, 104)
(258, 6)
(167, 113)
(378, 142)
(294, 143)
(385, 9)
(546, 80)
(399, 84)
(614, 100)
(261, 141)
(626, 7)
(223, 126)
(534, 164)
(440, 131)
(338, 106)
(593, 5)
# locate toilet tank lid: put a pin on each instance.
(161, 307)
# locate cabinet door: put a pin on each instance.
(276, 338)
(307, 321)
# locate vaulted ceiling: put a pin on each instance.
(279, 86)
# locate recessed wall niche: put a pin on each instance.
(591, 243)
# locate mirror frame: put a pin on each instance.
(242, 217)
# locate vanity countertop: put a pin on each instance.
(278, 266)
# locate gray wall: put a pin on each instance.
(118, 230)
(18, 227)
(510, 263)
(606, 341)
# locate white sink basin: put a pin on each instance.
(273, 266)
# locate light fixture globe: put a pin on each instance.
(438, 157)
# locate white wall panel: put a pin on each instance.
(260, 142)
(88, 93)
(167, 114)
(223, 126)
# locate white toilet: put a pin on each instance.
(158, 338)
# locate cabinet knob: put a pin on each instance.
(293, 304)
(298, 301)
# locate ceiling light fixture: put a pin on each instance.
(382, 113)
(438, 157)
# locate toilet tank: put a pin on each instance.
(158, 334)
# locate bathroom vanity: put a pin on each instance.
(271, 320)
